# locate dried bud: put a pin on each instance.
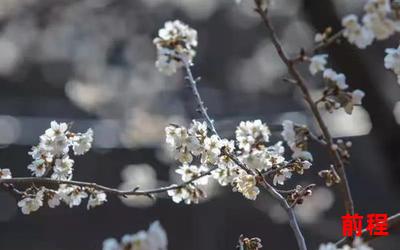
(299, 166)
(249, 244)
(298, 195)
(330, 176)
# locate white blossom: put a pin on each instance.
(178, 194)
(289, 135)
(96, 198)
(281, 176)
(357, 244)
(381, 26)
(82, 142)
(181, 144)
(55, 140)
(317, 63)
(212, 150)
(52, 152)
(224, 175)
(38, 167)
(111, 244)
(355, 33)
(381, 7)
(319, 37)
(247, 133)
(256, 159)
(338, 79)
(63, 169)
(392, 61)
(298, 153)
(72, 195)
(356, 99)
(54, 199)
(328, 246)
(56, 129)
(357, 96)
(155, 238)
(40, 153)
(5, 173)
(175, 43)
(31, 204)
(189, 194)
(189, 172)
(247, 185)
(198, 128)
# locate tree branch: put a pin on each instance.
(289, 210)
(41, 181)
(300, 82)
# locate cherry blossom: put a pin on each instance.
(5, 173)
(175, 43)
(317, 63)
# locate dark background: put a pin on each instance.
(92, 62)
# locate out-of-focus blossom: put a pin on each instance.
(155, 238)
(318, 63)
(355, 33)
(175, 46)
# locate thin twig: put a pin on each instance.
(39, 181)
(199, 100)
(393, 224)
(328, 41)
(344, 186)
(203, 111)
(292, 217)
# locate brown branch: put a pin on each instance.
(339, 165)
(393, 224)
(39, 181)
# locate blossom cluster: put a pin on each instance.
(71, 195)
(155, 238)
(358, 244)
(51, 157)
(297, 139)
(5, 173)
(336, 94)
(377, 23)
(392, 61)
(175, 46)
(195, 145)
(380, 21)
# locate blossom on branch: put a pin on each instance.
(155, 238)
(355, 33)
(357, 244)
(52, 152)
(5, 173)
(337, 96)
(175, 46)
(392, 61)
(297, 139)
(317, 63)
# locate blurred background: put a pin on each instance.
(92, 62)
